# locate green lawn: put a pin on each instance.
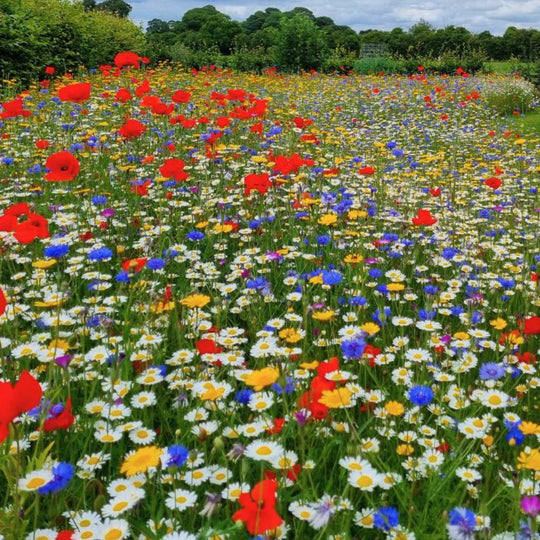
(528, 123)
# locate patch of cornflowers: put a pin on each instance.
(267, 309)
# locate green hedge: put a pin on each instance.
(37, 33)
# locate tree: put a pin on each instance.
(89, 5)
(157, 26)
(300, 45)
(116, 7)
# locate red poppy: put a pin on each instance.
(301, 123)
(123, 95)
(134, 265)
(126, 59)
(63, 166)
(14, 108)
(256, 128)
(284, 165)
(366, 170)
(493, 182)
(532, 325)
(258, 508)
(208, 346)
(63, 421)
(144, 88)
(223, 122)
(424, 217)
(174, 168)
(132, 129)
(65, 535)
(77, 93)
(42, 144)
(16, 399)
(257, 182)
(3, 302)
(181, 96)
(435, 192)
(49, 70)
(34, 227)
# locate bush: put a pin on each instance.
(367, 66)
(509, 94)
(37, 33)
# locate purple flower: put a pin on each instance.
(64, 360)
(531, 505)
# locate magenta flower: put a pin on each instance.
(531, 505)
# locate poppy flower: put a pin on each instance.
(43, 144)
(126, 59)
(181, 96)
(123, 95)
(493, 182)
(63, 166)
(35, 226)
(208, 346)
(144, 88)
(532, 325)
(258, 508)
(366, 170)
(77, 93)
(16, 399)
(3, 302)
(435, 192)
(132, 129)
(49, 70)
(13, 109)
(424, 217)
(257, 182)
(174, 168)
(63, 421)
(134, 265)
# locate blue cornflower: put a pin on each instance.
(492, 371)
(100, 254)
(462, 524)
(195, 235)
(177, 454)
(99, 199)
(431, 289)
(421, 395)
(353, 348)
(323, 239)
(122, 277)
(386, 518)
(243, 396)
(515, 437)
(375, 273)
(63, 473)
(331, 277)
(57, 251)
(155, 264)
(426, 315)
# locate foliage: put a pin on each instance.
(374, 65)
(37, 33)
(507, 96)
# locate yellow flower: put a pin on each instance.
(59, 344)
(222, 228)
(370, 328)
(195, 300)
(141, 460)
(498, 323)
(353, 258)
(355, 214)
(324, 315)
(259, 378)
(212, 392)
(334, 399)
(316, 280)
(290, 335)
(461, 335)
(395, 287)
(160, 307)
(529, 428)
(394, 408)
(405, 449)
(309, 365)
(529, 460)
(42, 264)
(328, 219)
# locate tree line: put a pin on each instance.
(73, 33)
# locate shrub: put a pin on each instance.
(509, 94)
(370, 65)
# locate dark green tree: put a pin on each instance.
(300, 44)
(116, 7)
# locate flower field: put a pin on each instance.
(267, 306)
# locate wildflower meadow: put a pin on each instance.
(265, 306)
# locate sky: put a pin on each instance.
(475, 15)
